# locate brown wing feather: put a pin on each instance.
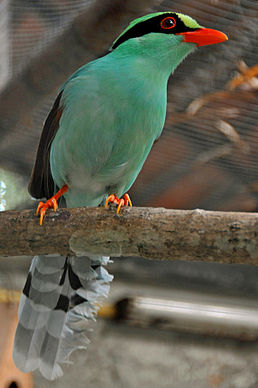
(41, 182)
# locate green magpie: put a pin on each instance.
(95, 140)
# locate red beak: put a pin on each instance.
(204, 36)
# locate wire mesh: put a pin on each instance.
(207, 155)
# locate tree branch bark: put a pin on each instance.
(153, 233)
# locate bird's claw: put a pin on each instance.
(51, 203)
(125, 201)
(43, 206)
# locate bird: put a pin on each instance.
(94, 142)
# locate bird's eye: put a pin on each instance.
(168, 22)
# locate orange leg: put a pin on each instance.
(125, 201)
(50, 203)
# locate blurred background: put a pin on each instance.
(204, 331)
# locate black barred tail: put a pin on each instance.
(58, 301)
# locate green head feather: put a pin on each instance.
(187, 20)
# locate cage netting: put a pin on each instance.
(207, 154)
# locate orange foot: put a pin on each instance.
(50, 203)
(125, 201)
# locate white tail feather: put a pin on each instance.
(58, 301)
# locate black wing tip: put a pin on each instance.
(41, 183)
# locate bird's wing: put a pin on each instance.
(41, 182)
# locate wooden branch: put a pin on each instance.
(154, 233)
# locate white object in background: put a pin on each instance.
(2, 194)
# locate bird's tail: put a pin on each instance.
(58, 301)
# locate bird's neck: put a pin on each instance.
(149, 60)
